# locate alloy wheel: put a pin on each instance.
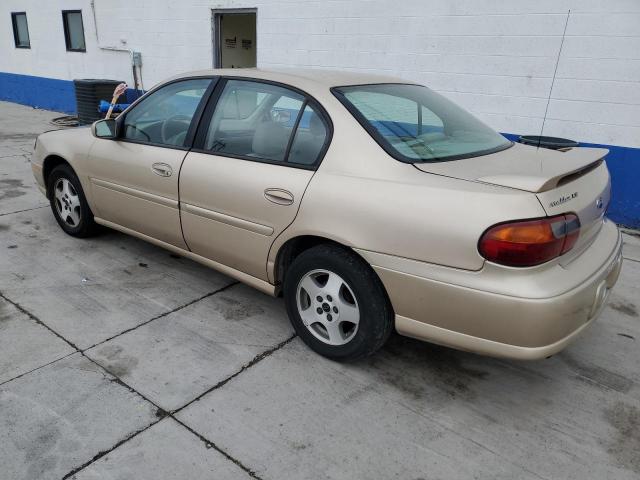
(67, 202)
(327, 306)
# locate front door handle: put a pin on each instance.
(162, 169)
(278, 196)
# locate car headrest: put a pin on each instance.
(270, 140)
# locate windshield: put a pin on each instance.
(415, 124)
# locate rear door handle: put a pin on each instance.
(162, 169)
(278, 196)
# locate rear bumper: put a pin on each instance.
(513, 313)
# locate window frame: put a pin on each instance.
(67, 37)
(385, 145)
(14, 24)
(195, 120)
(308, 100)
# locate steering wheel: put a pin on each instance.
(173, 126)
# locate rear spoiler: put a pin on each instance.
(566, 166)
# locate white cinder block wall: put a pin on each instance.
(494, 57)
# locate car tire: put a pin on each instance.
(69, 204)
(322, 288)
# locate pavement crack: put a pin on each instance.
(160, 412)
(119, 381)
(38, 321)
(164, 314)
(209, 444)
(25, 210)
(38, 368)
(102, 453)
(258, 358)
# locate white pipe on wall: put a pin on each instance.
(114, 48)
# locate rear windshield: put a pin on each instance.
(415, 124)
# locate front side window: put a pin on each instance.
(164, 117)
(20, 30)
(414, 124)
(73, 30)
(265, 122)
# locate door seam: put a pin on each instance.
(266, 264)
(184, 238)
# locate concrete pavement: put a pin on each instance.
(120, 360)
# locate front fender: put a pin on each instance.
(71, 146)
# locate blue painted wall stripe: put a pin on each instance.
(40, 92)
(45, 93)
(623, 162)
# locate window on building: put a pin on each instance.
(73, 30)
(20, 30)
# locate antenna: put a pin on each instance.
(553, 80)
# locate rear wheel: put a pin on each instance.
(337, 304)
(68, 203)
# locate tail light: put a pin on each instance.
(530, 242)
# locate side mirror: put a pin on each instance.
(107, 128)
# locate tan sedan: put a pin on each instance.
(369, 203)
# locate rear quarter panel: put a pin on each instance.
(365, 199)
(437, 220)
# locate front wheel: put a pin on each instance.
(337, 304)
(68, 203)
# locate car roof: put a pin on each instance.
(303, 78)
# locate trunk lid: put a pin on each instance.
(521, 167)
(574, 181)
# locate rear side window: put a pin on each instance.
(261, 121)
(414, 124)
(309, 139)
(253, 119)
